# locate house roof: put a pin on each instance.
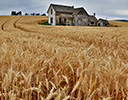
(92, 18)
(77, 10)
(104, 21)
(62, 8)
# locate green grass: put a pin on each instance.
(44, 23)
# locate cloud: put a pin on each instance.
(122, 12)
(102, 8)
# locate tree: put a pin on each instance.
(43, 14)
(26, 13)
(32, 14)
(19, 13)
(38, 14)
(13, 13)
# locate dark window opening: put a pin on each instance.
(72, 22)
(65, 20)
(60, 20)
(51, 11)
(51, 20)
(92, 22)
(105, 24)
(99, 24)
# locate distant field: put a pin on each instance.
(42, 62)
(119, 23)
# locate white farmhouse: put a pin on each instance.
(59, 14)
(68, 15)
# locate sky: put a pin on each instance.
(110, 9)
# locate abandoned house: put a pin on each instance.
(68, 15)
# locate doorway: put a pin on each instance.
(60, 21)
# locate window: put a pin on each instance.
(65, 20)
(73, 22)
(98, 24)
(51, 11)
(51, 20)
(92, 22)
(59, 20)
(106, 25)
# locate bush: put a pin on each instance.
(43, 15)
(13, 13)
(38, 14)
(19, 13)
(44, 23)
(94, 25)
(26, 13)
(116, 26)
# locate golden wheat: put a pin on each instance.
(40, 62)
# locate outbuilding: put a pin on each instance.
(102, 22)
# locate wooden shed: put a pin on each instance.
(102, 22)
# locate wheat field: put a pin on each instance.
(40, 62)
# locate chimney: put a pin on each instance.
(94, 14)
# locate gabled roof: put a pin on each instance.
(92, 18)
(104, 21)
(77, 10)
(62, 8)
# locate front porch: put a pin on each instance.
(64, 19)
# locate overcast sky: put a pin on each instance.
(112, 9)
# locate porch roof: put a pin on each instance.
(65, 16)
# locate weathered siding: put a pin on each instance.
(100, 23)
(52, 16)
(81, 20)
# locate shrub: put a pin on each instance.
(116, 26)
(44, 23)
(13, 13)
(43, 14)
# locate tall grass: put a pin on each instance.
(62, 63)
